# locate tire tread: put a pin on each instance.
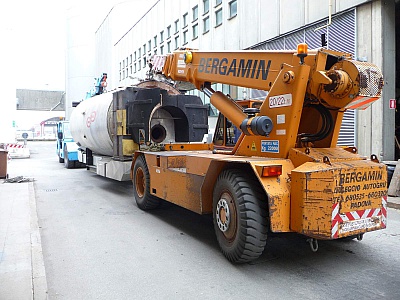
(148, 202)
(252, 217)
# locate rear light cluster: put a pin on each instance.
(270, 171)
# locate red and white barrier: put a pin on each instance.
(14, 146)
(358, 219)
(17, 151)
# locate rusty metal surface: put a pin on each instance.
(158, 84)
(301, 155)
(355, 188)
(187, 178)
(170, 181)
(278, 191)
(188, 146)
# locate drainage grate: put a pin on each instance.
(51, 190)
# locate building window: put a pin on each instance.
(131, 69)
(195, 28)
(218, 17)
(195, 11)
(176, 26)
(155, 41)
(134, 68)
(120, 76)
(206, 6)
(139, 65)
(162, 50)
(134, 55)
(149, 45)
(185, 17)
(144, 49)
(130, 59)
(120, 66)
(162, 36)
(127, 73)
(168, 31)
(123, 74)
(140, 52)
(232, 9)
(176, 42)
(218, 2)
(127, 61)
(206, 24)
(144, 62)
(169, 47)
(185, 37)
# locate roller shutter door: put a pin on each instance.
(340, 35)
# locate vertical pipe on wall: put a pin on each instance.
(389, 74)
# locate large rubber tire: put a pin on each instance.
(60, 160)
(240, 216)
(141, 186)
(67, 163)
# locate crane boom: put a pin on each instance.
(296, 81)
(342, 79)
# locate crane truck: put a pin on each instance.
(273, 166)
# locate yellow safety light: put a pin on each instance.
(188, 57)
(273, 170)
(302, 48)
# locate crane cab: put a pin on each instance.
(226, 133)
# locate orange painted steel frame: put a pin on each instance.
(280, 73)
(187, 178)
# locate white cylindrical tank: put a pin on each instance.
(91, 124)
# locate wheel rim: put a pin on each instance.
(140, 182)
(225, 215)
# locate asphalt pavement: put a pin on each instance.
(22, 269)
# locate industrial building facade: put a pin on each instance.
(365, 29)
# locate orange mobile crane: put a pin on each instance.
(283, 172)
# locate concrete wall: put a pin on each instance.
(375, 125)
(40, 100)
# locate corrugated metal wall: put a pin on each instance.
(340, 35)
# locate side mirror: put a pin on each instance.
(60, 135)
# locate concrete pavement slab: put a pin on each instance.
(22, 274)
(16, 285)
(394, 202)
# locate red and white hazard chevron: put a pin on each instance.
(14, 146)
(354, 218)
(361, 102)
